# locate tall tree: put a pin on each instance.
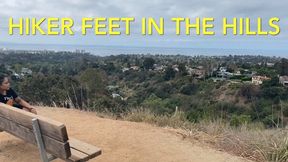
(282, 67)
(169, 73)
(148, 63)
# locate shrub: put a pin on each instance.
(188, 89)
(238, 120)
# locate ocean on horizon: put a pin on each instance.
(117, 50)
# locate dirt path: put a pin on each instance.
(121, 141)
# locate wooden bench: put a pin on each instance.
(50, 136)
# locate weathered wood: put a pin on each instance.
(77, 156)
(54, 147)
(83, 147)
(48, 127)
(19, 123)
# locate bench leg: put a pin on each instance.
(40, 142)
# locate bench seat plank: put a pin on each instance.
(77, 156)
(82, 151)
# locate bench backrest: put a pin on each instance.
(19, 123)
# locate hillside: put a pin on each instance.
(120, 141)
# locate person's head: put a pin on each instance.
(4, 82)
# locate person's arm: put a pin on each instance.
(25, 104)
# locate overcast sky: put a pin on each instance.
(218, 9)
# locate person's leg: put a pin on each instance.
(17, 106)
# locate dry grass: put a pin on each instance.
(250, 141)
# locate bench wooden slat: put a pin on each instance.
(57, 148)
(48, 127)
(86, 148)
(77, 156)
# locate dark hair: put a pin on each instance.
(2, 77)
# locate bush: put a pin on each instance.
(273, 92)
(238, 120)
(188, 89)
(163, 90)
(158, 105)
(249, 91)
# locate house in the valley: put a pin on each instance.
(26, 71)
(175, 68)
(198, 73)
(125, 69)
(269, 64)
(159, 68)
(283, 80)
(258, 80)
(223, 73)
(136, 68)
(116, 95)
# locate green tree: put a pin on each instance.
(238, 120)
(182, 69)
(169, 73)
(188, 89)
(148, 63)
(249, 91)
(93, 80)
(282, 67)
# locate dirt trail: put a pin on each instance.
(121, 141)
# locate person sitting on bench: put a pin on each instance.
(8, 96)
